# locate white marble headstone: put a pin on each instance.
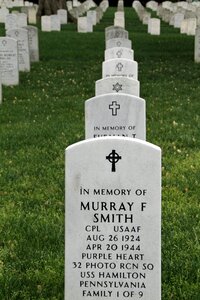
(46, 23)
(55, 23)
(92, 15)
(9, 61)
(3, 13)
(32, 19)
(178, 18)
(89, 23)
(146, 18)
(75, 3)
(85, 25)
(120, 67)
(0, 89)
(112, 32)
(104, 5)
(192, 24)
(119, 42)
(154, 26)
(69, 5)
(115, 115)
(11, 21)
(113, 220)
(21, 35)
(99, 12)
(33, 43)
(184, 26)
(21, 20)
(118, 85)
(119, 52)
(62, 13)
(197, 46)
(82, 25)
(119, 19)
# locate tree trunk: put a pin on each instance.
(50, 7)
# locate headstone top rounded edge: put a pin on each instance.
(115, 96)
(124, 140)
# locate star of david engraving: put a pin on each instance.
(119, 66)
(114, 107)
(4, 42)
(117, 87)
(119, 53)
(119, 43)
(113, 158)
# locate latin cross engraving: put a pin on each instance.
(117, 87)
(119, 66)
(114, 107)
(113, 158)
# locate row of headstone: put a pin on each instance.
(182, 15)
(31, 12)
(15, 21)
(54, 22)
(79, 10)
(15, 3)
(113, 191)
(50, 23)
(69, 5)
(119, 18)
(85, 24)
(27, 15)
(120, 111)
(153, 24)
(18, 50)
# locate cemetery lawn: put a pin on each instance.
(45, 113)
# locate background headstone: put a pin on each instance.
(154, 26)
(9, 61)
(112, 32)
(118, 85)
(119, 52)
(32, 15)
(119, 19)
(3, 13)
(11, 21)
(192, 24)
(119, 42)
(84, 25)
(46, 23)
(120, 67)
(33, 43)
(115, 115)
(93, 15)
(62, 13)
(55, 23)
(0, 90)
(21, 20)
(184, 26)
(197, 46)
(21, 35)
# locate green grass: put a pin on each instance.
(45, 113)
